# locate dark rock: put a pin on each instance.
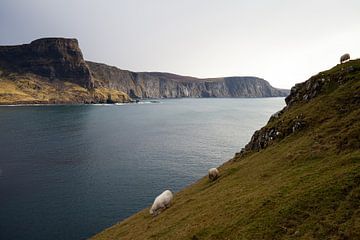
(276, 115)
(266, 136)
(316, 85)
(53, 58)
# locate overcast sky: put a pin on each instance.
(281, 41)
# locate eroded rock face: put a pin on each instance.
(53, 58)
(300, 94)
(266, 136)
(59, 60)
(167, 85)
(303, 92)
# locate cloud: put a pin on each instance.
(283, 42)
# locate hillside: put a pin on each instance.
(298, 178)
(53, 70)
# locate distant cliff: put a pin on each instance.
(53, 58)
(53, 70)
(50, 71)
(167, 85)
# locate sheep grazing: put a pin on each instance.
(161, 202)
(213, 174)
(344, 58)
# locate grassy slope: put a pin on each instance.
(305, 186)
(29, 88)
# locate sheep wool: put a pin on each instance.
(161, 202)
(213, 174)
(344, 57)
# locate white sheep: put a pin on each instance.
(161, 202)
(344, 57)
(213, 174)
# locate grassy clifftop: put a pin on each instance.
(298, 178)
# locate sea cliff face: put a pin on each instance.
(52, 58)
(53, 70)
(50, 71)
(167, 85)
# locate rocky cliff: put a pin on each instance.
(50, 71)
(53, 58)
(323, 83)
(53, 70)
(167, 85)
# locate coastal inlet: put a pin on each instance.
(68, 172)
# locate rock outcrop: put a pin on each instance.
(167, 85)
(53, 58)
(302, 93)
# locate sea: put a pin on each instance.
(70, 171)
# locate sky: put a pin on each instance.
(284, 42)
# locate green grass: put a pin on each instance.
(303, 186)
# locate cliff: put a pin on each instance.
(53, 58)
(298, 178)
(302, 93)
(167, 85)
(53, 70)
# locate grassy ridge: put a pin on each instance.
(303, 186)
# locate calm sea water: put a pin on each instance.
(68, 172)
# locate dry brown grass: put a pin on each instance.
(29, 88)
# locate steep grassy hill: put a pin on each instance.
(298, 178)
